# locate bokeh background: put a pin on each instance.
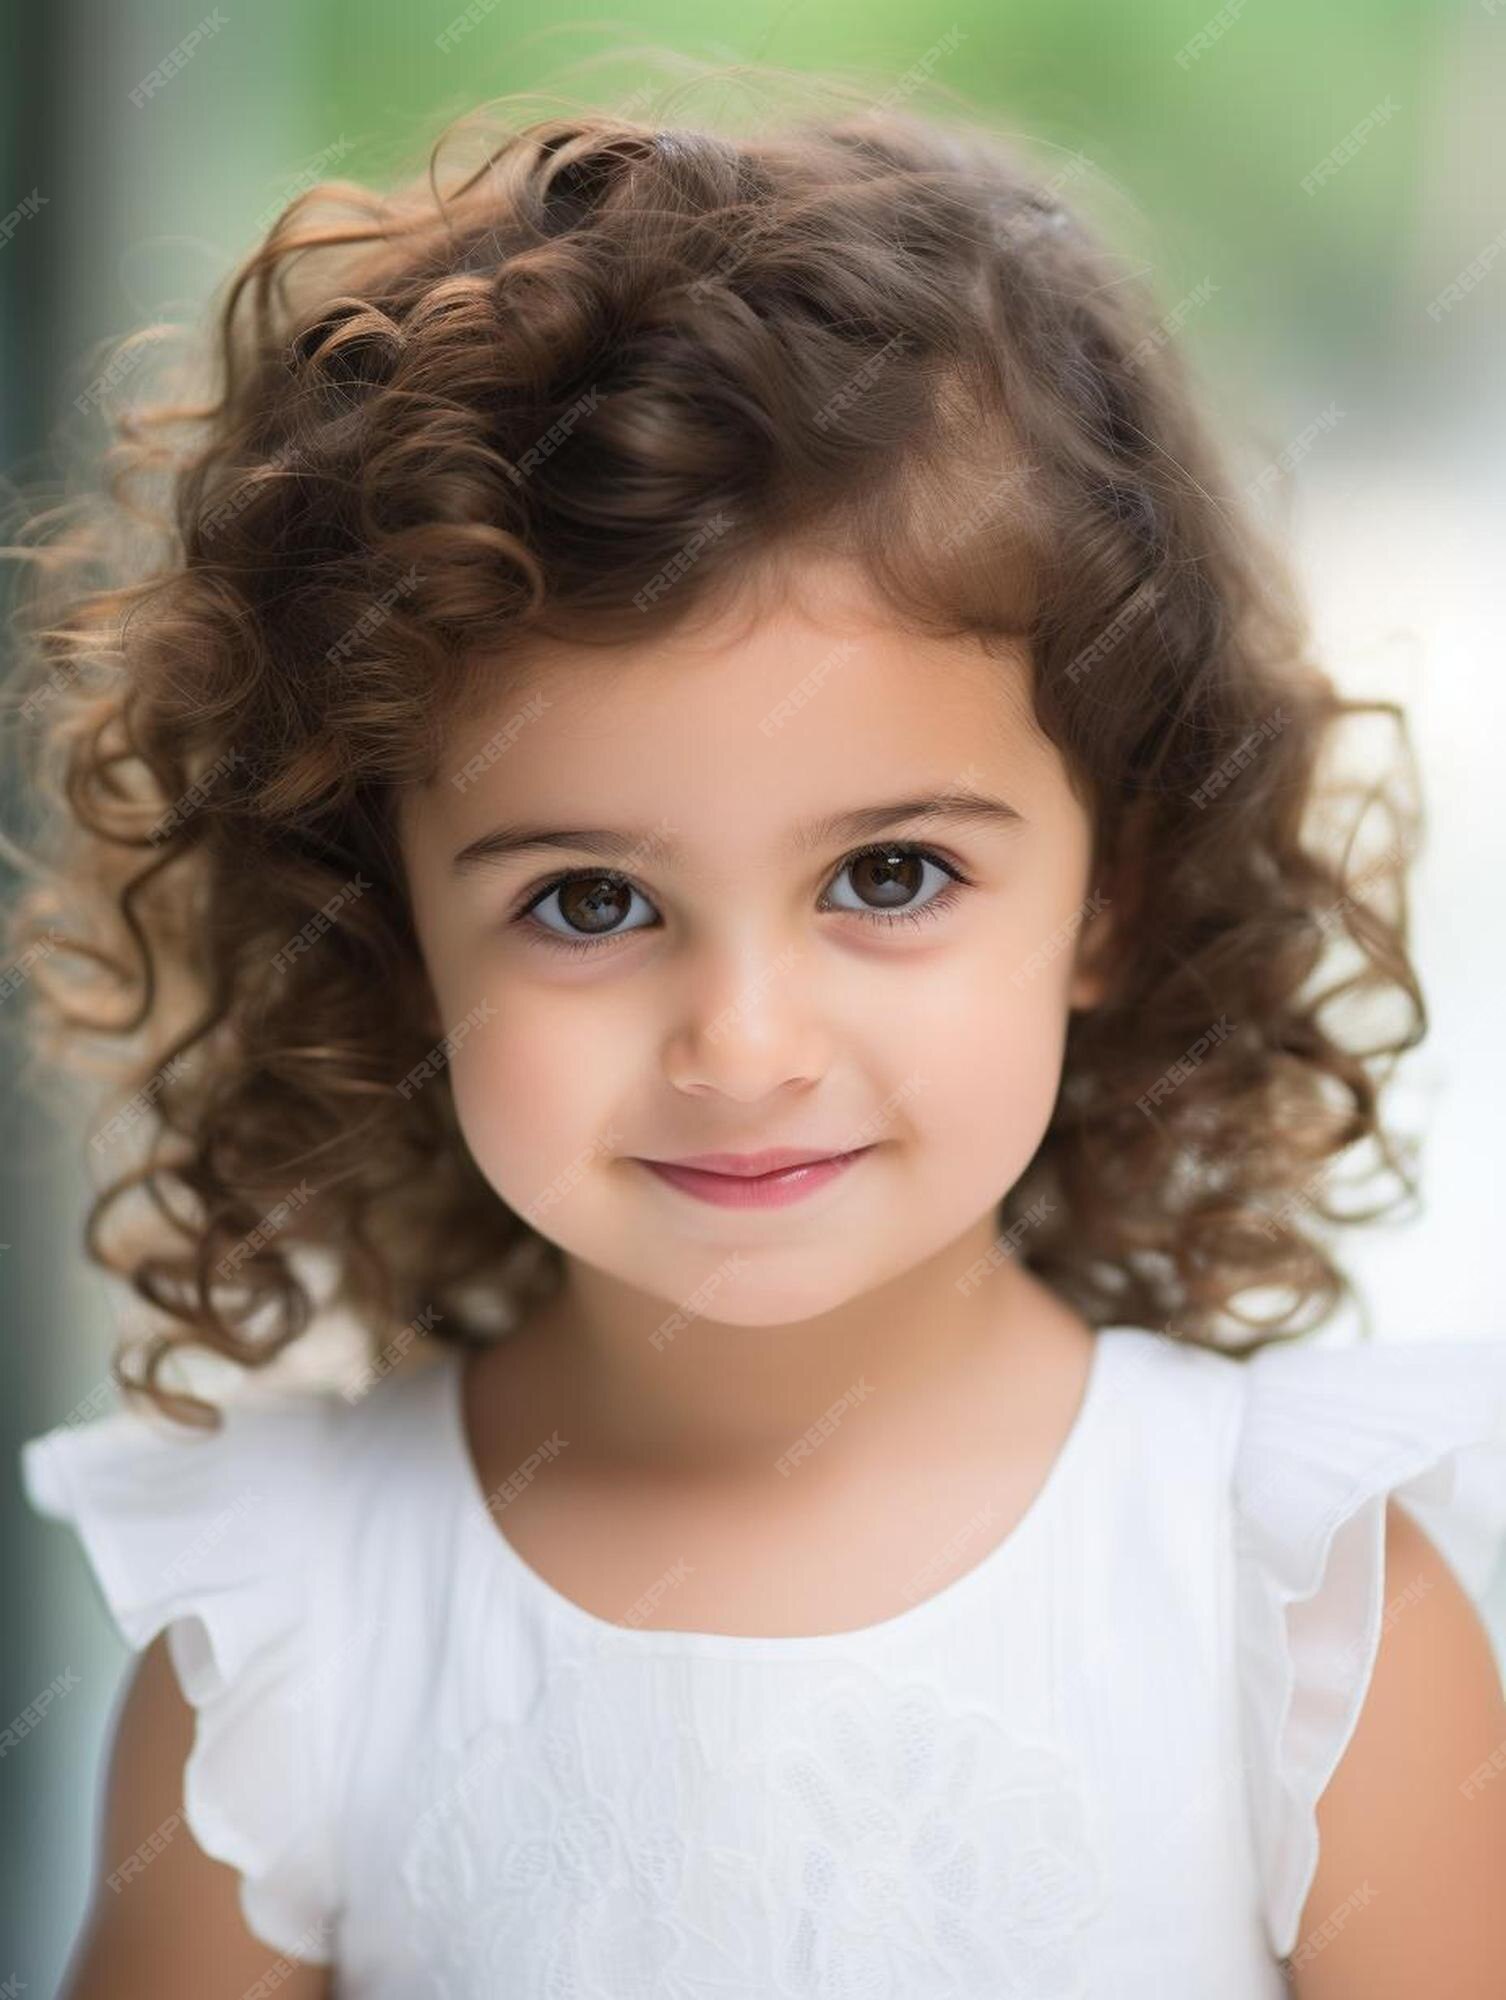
(1318, 195)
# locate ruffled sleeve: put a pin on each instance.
(1327, 1435)
(219, 1538)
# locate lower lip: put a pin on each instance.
(756, 1190)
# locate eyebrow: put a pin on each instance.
(958, 806)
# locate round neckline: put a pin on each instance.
(467, 1500)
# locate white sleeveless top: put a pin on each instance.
(1087, 1765)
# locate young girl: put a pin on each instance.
(714, 812)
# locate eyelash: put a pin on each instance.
(941, 901)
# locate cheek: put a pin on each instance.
(984, 1042)
(529, 1095)
(989, 1085)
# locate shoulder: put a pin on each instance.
(165, 1916)
(209, 1551)
(1369, 1520)
(1412, 1824)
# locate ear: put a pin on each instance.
(415, 998)
(429, 1016)
(1110, 908)
(1092, 965)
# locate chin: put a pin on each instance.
(729, 1287)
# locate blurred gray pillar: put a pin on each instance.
(143, 207)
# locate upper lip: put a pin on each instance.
(745, 1165)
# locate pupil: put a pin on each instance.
(883, 869)
(597, 904)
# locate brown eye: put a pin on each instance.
(887, 880)
(592, 906)
(890, 878)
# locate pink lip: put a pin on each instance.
(793, 1176)
(773, 1160)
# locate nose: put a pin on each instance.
(747, 1028)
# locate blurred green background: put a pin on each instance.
(1300, 184)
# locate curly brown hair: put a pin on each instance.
(446, 420)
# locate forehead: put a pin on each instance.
(742, 718)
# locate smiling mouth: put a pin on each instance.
(748, 1166)
(742, 1189)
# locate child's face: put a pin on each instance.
(725, 1009)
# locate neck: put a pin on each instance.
(643, 1384)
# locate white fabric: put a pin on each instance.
(1087, 1765)
(218, 1539)
(1329, 1434)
